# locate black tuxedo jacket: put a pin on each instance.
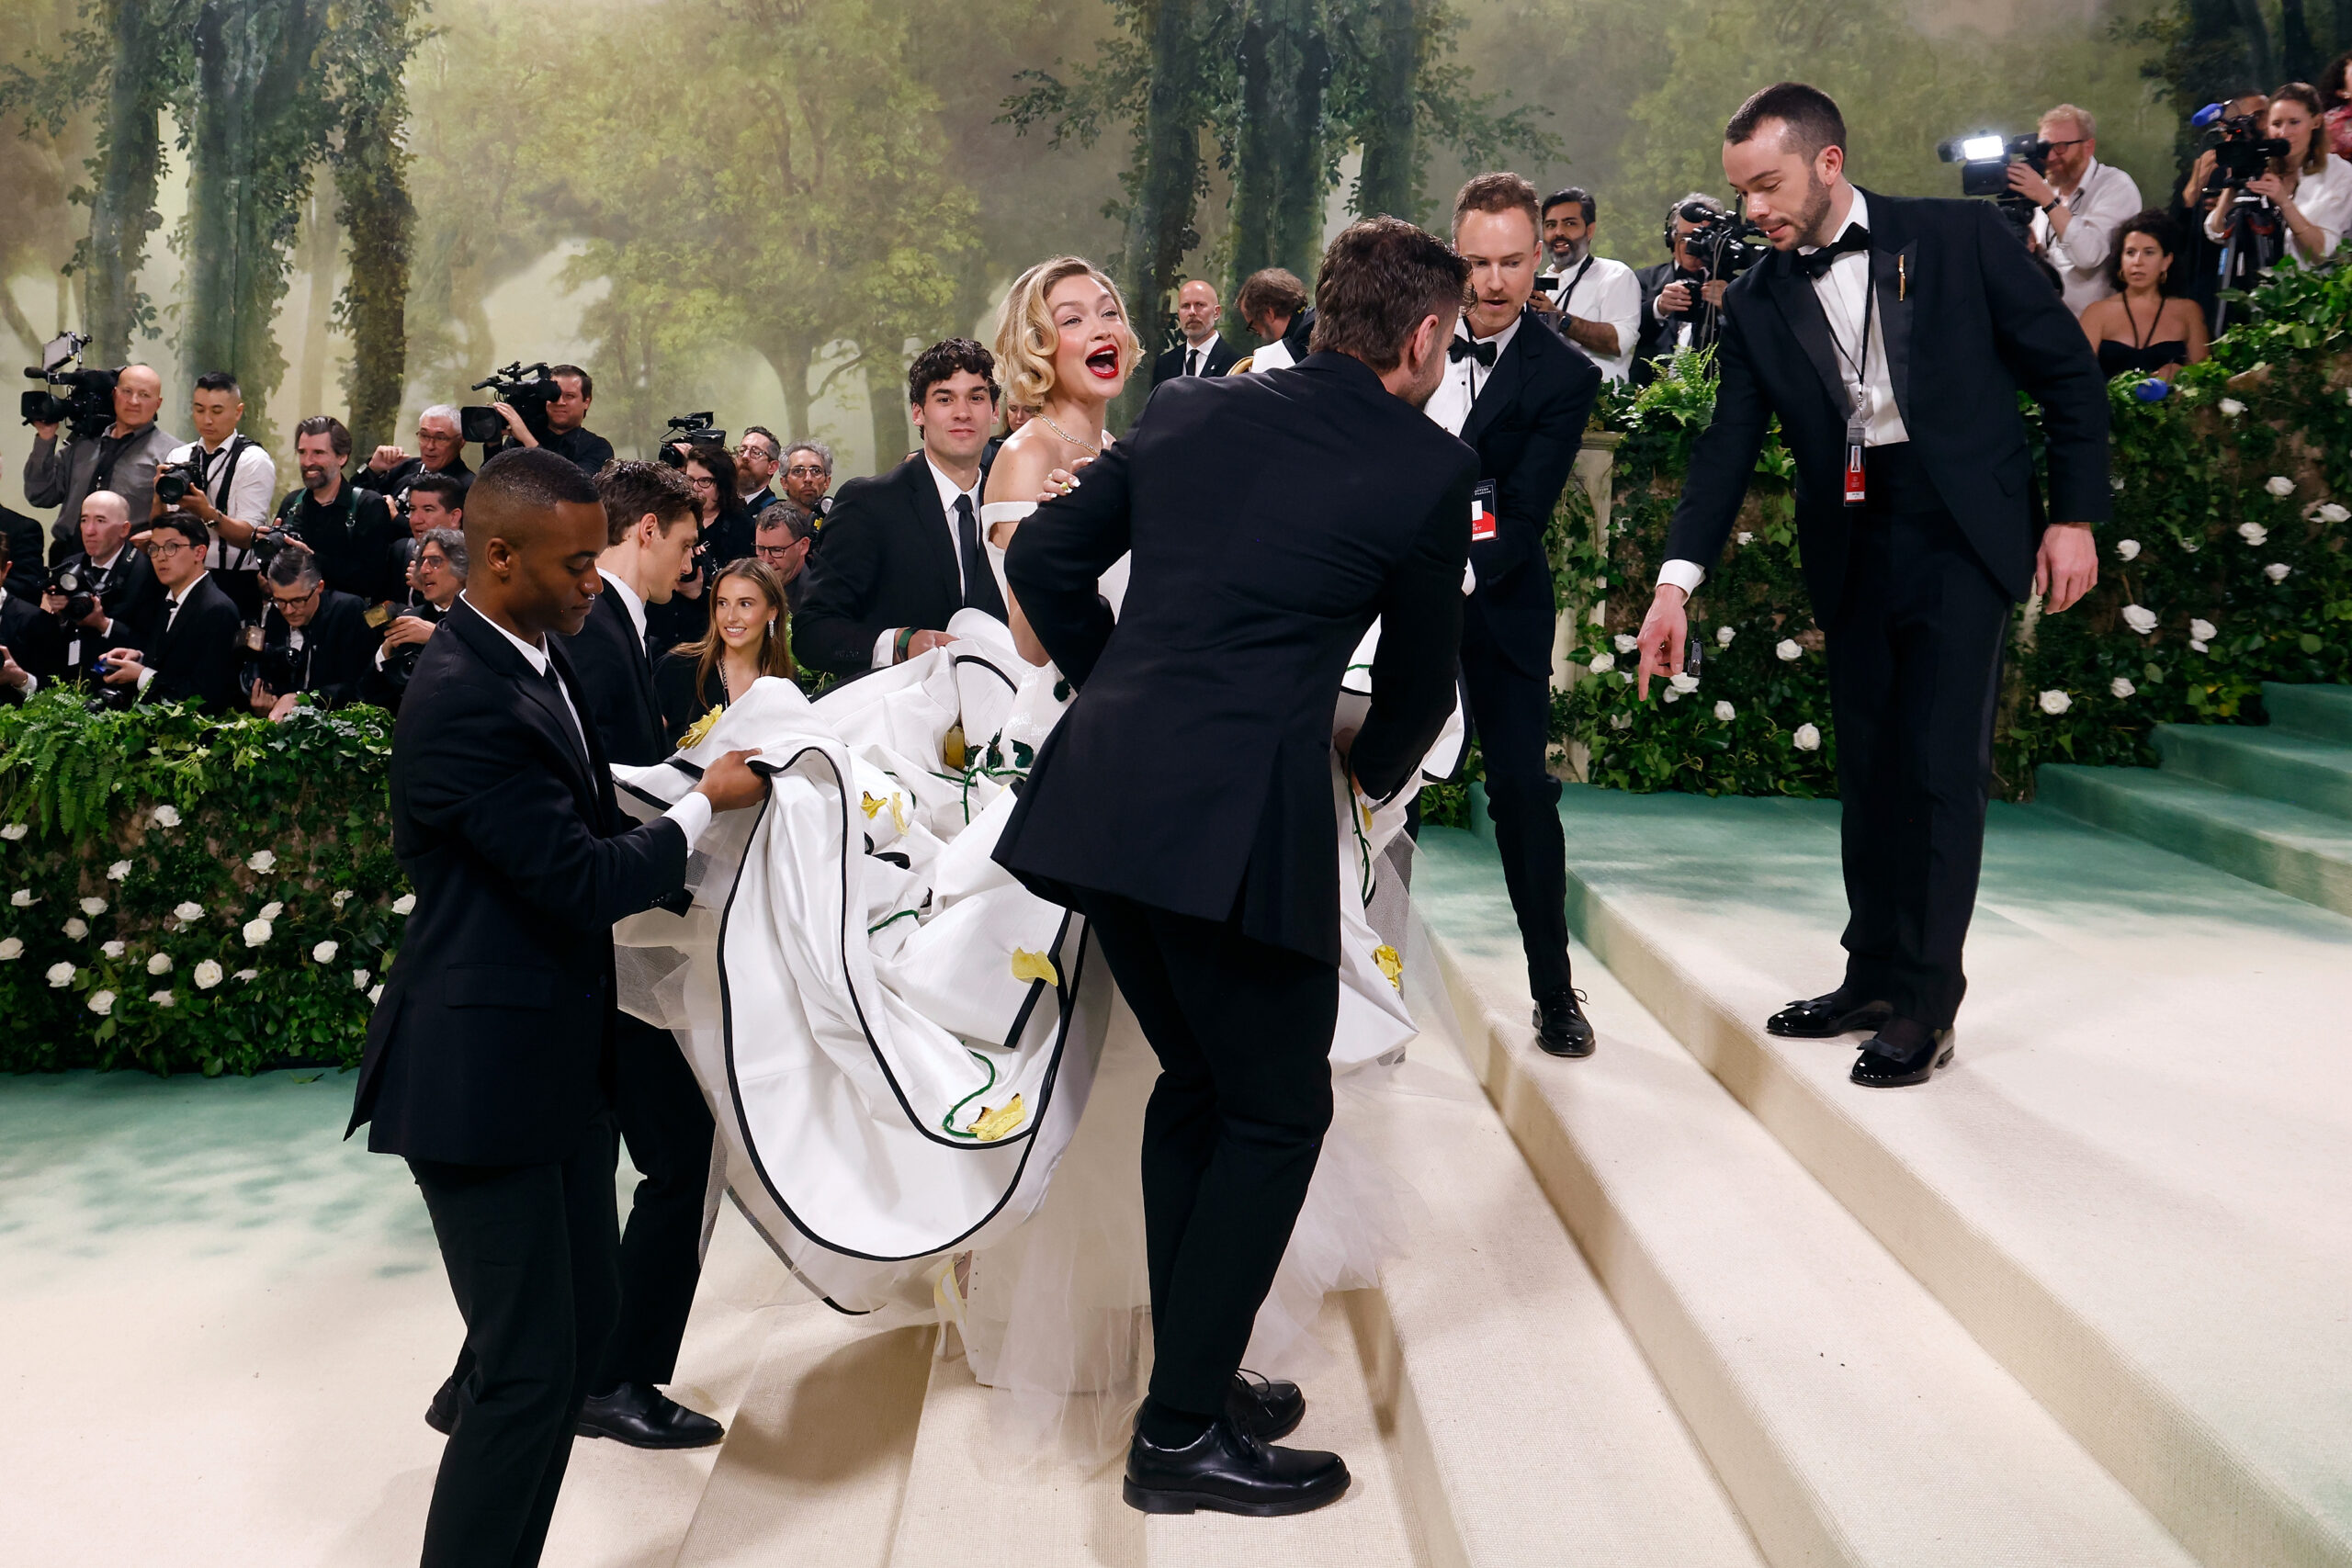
(616, 680)
(20, 562)
(30, 636)
(338, 646)
(129, 593)
(1272, 517)
(889, 561)
(196, 659)
(1171, 365)
(1654, 337)
(1968, 321)
(1527, 426)
(492, 1043)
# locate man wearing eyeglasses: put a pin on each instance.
(2083, 203)
(440, 449)
(757, 457)
(807, 475)
(783, 540)
(315, 641)
(190, 649)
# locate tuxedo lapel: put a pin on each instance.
(1510, 375)
(495, 651)
(1895, 269)
(930, 521)
(1793, 292)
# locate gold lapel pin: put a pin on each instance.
(1902, 279)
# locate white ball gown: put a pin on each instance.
(929, 1101)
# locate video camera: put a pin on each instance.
(526, 389)
(1985, 159)
(87, 406)
(690, 430)
(2241, 151)
(1724, 244)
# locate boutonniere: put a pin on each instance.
(699, 729)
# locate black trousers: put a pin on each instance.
(530, 1253)
(1510, 712)
(1915, 667)
(1233, 1130)
(666, 1124)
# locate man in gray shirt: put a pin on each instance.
(123, 460)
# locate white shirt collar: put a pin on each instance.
(629, 602)
(949, 490)
(537, 657)
(107, 564)
(2090, 168)
(1501, 340)
(185, 589)
(1859, 212)
(1206, 347)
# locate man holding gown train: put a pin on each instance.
(1183, 802)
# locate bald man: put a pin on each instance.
(126, 599)
(123, 460)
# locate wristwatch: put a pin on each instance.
(2049, 205)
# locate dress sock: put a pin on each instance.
(1165, 1426)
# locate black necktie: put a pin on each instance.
(1461, 348)
(967, 544)
(1193, 362)
(1855, 238)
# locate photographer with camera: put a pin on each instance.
(433, 501)
(1274, 303)
(226, 481)
(315, 641)
(724, 533)
(190, 653)
(104, 594)
(1594, 302)
(349, 531)
(807, 475)
(1677, 292)
(2081, 204)
(124, 459)
(566, 411)
(436, 575)
(440, 450)
(2308, 189)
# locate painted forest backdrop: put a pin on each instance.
(762, 207)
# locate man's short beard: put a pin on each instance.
(1812, 220)
(1577, 250)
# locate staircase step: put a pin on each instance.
(2324, 711)
(2301, 770)
(1852, 1417)
(2304, 854)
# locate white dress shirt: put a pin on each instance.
(692, 814)
(886, 646)
(629, 600)
(2325, 198)
(1844, 293)
(1451, 404)
(1606, 292)
(249, 495)
(1196, 355)
(2106, 200)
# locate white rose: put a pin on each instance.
(188, 912)
(324, 953)
(272, 909)
(2231, 406)
(1686, 684)
(359, 979)
(257, 932)
(2277, 571)
(1672, 695)
(1602, 663)
(2279, 484)
(2202, 630)
(2056, 702)
(118, 871)
(1806, 738)
(1743, 536)
(60, 975)
(2200, 644)
(167, 816)
(111, 949)
(2188, 545)
(2127, 549)
(1788, 650)
(1625, 644)
(77, 928)
(2253, 533)
(163, 999)
(2328, 511)
(13, 831)
(1724, 636)
(94, 906)
(208, 975)
(375, 996)
(262, 860)
(1624, 675)
(2139, 619)
(1725, 712)
(101, 1003)
(403, 904)
(2121, 687)
(341, 899)
(1621, 721)
(22, 899)
(245, 974)
(159, 963)
(11, 947)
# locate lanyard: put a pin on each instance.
(1570, 292)
(1857, 412)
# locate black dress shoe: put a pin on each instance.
(1561, 1027)
(1230, 1471)
(644, 1418)
(1271, 1410)
(442, 1414)
(1902, 1053)
(1840, 1013)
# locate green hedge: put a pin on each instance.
(171, 882)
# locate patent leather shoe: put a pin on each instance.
(1561, 1027)
(1271, 1409)
(1902, 1053)
(1227, 1470)
(1823, 1017)
(644, 1418)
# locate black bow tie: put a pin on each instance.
(1461, 348)
(1855, 238)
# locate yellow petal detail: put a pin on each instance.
(1390, 964)
(699, 729)
(990, 1125)
(1028, 965)
(869, 802)
(951, 748)
(899, 810)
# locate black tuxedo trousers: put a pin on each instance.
(1915, 667)
(1235, 1124)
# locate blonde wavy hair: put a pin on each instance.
(1026, 336)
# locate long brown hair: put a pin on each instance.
(2315, 150)
(775, 647)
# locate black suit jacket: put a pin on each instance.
(889, 561)
(20, 563)
(1654, 338)
(196, 659)
(678, 699)
(129, 593)
(1171, 365)
(30, 636)
(338, 646)
(1526, 425)
(617, 682)
(1968, 321)
(490, 1045)
(1272, 517)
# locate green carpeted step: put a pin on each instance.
(2324, 711)
(2305, 855)
(2301, 770)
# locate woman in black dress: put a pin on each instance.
(746, 639)
(2144, 329)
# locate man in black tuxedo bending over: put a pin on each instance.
(1892, 336)
(1183, 804)
(1519, 394)
(489, 1060)
(902, 552)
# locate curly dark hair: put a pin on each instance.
(943, 360)
(1380, 279)
(2158, 226)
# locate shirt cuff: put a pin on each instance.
(1684, 574)
(692, 814)
(145, 676)
(886, 649)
